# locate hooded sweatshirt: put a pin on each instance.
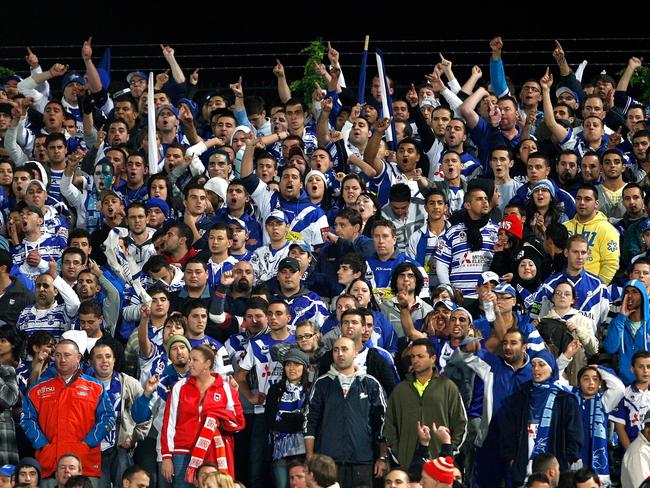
(623, 341)
(604, 249)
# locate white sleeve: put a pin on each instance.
(70, 298)
(262, 198)
(70, 192)
(28, 87)
(15, 152)
(43, 88)
(615, 390)
(453, 101)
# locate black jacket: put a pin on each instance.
(14, 300)
(376, 366)
(565, 432)
(346, 427)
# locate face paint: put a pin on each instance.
(107, 175)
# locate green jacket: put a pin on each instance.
(441, 403)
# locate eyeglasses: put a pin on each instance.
(559, 293)
(304, 337)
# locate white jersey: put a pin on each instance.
(265, 261)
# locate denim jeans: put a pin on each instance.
(181, 462)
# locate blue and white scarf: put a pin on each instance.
(543, 431)
(597, 432)
(115, 396)
(287, 444)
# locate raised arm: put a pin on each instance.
(471, 82)
(497, 73)
(632, 66)
(94, 81)
(558, 54)
(177, 72)
(406, 319)
(372, 149)
(558, 133)
(468, 107)
(322, 124)
(452, 82)
(283, 86)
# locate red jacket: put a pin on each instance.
(182, 422)
(59, 418)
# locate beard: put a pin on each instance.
(242, 286)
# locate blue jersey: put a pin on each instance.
(389, 177)
(49, 247)
(215, 270)
(592, 296)
(252, 226)
(138, 195)
(378, 273)
(534, 341)
(466, 265)
(54, 321)
(306, 305)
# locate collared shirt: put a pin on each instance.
(420, 387)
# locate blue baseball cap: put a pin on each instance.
(133, 74)
(191, 104)
(7, 470)
(72, 77)
(447, 303)
(505, 289)
(304, 246)
(277, 215)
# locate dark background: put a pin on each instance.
(240, 38)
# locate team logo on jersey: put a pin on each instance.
(462, 236)
(217, 397)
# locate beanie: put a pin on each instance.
(440, 469)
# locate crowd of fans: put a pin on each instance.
(298, 293)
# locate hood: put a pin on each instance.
(178, 276)
(644, 302)
(50, 213)
(579, 228)
(547, 357)
(359, 372)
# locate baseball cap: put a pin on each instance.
(505, 289)
(166, 106)
(238, 222)
(7, 470)
(447, 303)
(296, 151)
(72, 77)
(109, 193)
(487, 277)
(291, 263)
(277, 215)
(133, 74)
(37, 182)
(304, 246)
(32, 208)
(565, 89)
(429, 102)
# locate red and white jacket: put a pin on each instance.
(184, 416)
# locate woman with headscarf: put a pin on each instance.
(541, 417)
(528, 274)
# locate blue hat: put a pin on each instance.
(645, 225)
(72, 77)
(7, 470)
(547, 185)
(14, 77)
(159, 203)
(447, 303)
(167, 106)
(238, 222)
(191, 104)
(505, 289)
(141, 74)
(466, 312)
(277, 215)
(548, 358)
(305, 246)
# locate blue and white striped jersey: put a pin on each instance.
(456, 260)
(592, 296)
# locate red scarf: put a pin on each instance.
(209, 445)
